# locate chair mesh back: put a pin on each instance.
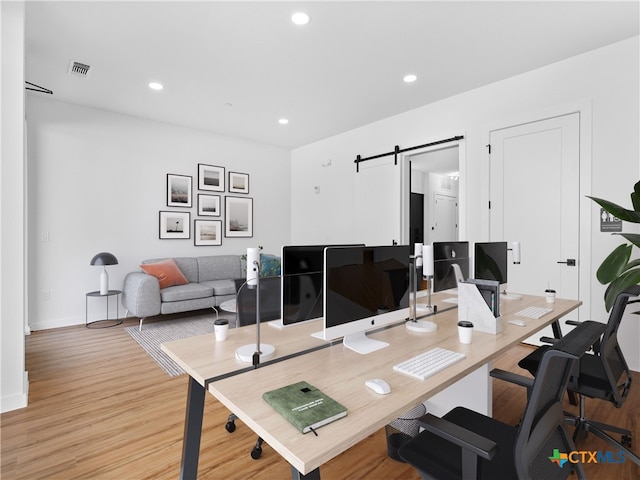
(541, 466)
(542, 427)
(614, 364)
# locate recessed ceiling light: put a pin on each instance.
(283, 121)
(410, 78)
(155, 86)
(300, 18)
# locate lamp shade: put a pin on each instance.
(104, 258)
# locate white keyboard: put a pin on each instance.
(533, 312)
(428, 363)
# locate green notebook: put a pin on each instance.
(306, 407)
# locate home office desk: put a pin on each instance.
(337, 371)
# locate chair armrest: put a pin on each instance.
(549, 340)
(141, 294)
(511, 377)
(466, 439)
(572, 322)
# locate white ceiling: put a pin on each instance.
(235, 68)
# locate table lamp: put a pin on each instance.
(104, 259)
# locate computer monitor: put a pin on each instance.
(364, 288)
(490, 261)
(450, 264)
(302, 277)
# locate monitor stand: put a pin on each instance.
(359, 342)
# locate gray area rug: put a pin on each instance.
(153, 334)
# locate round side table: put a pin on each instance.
(105, 322)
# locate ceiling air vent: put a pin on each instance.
(79, 69)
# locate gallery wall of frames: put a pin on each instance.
(221, 201)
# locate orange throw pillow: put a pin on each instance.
(166, 271)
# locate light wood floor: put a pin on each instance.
(100, 408)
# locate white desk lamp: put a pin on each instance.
(423, 257)
(255, 352)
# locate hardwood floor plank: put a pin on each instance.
(100, 408)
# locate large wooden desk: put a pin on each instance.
(337, 371)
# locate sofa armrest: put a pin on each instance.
(141, 294)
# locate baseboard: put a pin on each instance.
(56, 323)
(14, 402)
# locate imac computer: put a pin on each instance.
(302, 278)
(450, 264)
(364, 288)
(490, 263)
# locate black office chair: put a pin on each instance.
(465, 444)
(603, 374)
(270, 294)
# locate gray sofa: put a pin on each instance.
(212, 280)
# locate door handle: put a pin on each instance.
(570, 262)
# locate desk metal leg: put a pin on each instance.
(313, 475)
(192, 430)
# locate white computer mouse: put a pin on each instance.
(378, 385)
(517, 322)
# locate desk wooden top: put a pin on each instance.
(341, 373)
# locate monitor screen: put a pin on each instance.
(365, 288)
(490, 261)
(302, 282)
(450, 264)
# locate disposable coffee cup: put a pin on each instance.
(550, 295)
(465, 331)
(221, 328)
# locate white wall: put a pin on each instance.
(13, 377)
(97, 181)
(606, 78)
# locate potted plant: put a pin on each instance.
(618, 270)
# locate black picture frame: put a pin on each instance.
(179, 190)
(238, 212)
(174, 225)
(211, 178)
(207, 232)
(209, 205)
(238, 182)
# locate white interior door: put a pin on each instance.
(378, 202)
(445, 225)
(534, 194)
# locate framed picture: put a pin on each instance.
(238, 182)
(238, 213)
(175, 225)
(178, 190)
(207, 232)
(210, 178)
(208, 205)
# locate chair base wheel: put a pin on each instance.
(231, 427)
(626, 441)
(256, 452)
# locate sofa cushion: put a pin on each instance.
(221, 287)
(189, 291)
(219, 267)
(166, 271)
